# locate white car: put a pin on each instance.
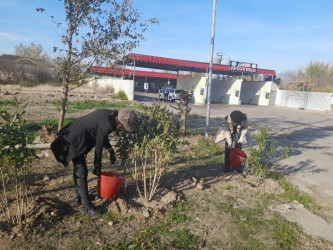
(170, 95)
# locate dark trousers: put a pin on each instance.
(80, 175)
(227, 149)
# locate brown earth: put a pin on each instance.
(54, 222)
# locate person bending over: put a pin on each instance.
(76, 139)
(234, 132)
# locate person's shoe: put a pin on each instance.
(90, 209)
(77, 201)
(226, 168)
(239, 169)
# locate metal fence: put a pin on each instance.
(304, 100)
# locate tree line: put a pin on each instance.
(316, 76)
(29, 65)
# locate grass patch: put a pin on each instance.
(208, 152)
(7, 102)
(76, 106)
(127, 218)
(28, 84)
(33, 128)
(248, 224)
(81, 244)
(291, 194)
(206, 148)
(178, 218)
(183, 239)
(165, 234)
(121, 95)
(249, 216)
(109, 216)
(228, 187)
(194, 131)
(91, 104)
(284, 233)
(194, 117)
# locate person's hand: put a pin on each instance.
(241, 140)
(97, 171)
(112, 155)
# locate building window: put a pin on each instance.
(139, 84)
(202, 91)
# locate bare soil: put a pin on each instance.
(54, 223)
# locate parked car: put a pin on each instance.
(170, 94)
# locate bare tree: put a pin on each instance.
(94, 31)
(290, 77)
(318, 75)
(10, 71)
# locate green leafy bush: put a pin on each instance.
(263, 157)
(121, 95)
(150, 147)
(15, 162)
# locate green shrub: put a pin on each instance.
(326, 89)
(121, 95)
(263, 157)
(150, 147)
(28, 84)
(15, 163)
(7, 103)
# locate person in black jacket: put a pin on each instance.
(77, 138)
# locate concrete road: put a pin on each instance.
(310, 166)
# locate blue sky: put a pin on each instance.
(275, 34)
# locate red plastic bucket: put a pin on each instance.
(237, 157)
(109, 184)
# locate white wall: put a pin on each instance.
(305, 100)
(225, 91)
(264, 98)
(114, 86)
(196, 84)
(221, 90)
(251, 92)
(254, 92)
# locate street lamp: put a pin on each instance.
(220, 54)
(210, 69)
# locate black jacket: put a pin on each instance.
(81, 135)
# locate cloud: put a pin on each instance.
(10, 36)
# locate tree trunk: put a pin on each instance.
(183, 120)
(68, 68)
(63, 106)
(185, 98)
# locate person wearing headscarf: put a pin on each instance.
(234, 131)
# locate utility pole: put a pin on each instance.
(210, 69)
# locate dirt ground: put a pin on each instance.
(54, 223)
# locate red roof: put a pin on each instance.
(137, 72)
(184, 65)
